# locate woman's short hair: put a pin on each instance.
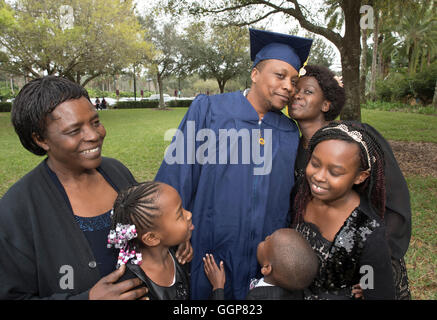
(35, 101)
(332, 91)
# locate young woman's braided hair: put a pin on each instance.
(371, 158)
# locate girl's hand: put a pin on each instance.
(216, 276)
(184, 253)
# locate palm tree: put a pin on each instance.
(419, 33)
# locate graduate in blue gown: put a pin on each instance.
(232, 161)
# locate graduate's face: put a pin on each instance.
(308, 103)
(174, 226)
(74, 136)
(333, 169)
(273, 83)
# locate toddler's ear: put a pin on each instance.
(150, 239)
(266, 269)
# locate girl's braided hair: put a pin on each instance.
(370, 153)
(137, 205)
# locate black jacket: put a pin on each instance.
(45, 255)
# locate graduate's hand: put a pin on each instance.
(357, 291)
(216, 276)
(184, 253)
(107, 288)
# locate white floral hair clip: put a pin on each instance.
(339, 80)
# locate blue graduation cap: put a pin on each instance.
(271, 45)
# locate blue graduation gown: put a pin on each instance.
(233, 208)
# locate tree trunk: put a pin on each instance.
(374, 70)
(434, 100)
(363, 69)
(221, 84)
(380, 69)
(161, 93)
(12, 86)
(350, 60)
(135, 85)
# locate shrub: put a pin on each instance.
(383, 90)
(5, 106)
(423, 84)
(94, 93)
(136, 104)
(401, 86)
(398, 106)
(181, 103)
(5, 93)
(401, 89)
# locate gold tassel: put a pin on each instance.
(302, 70)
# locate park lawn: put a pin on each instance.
(401, 126)
(421, 257)
(136, 138)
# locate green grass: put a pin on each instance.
(421, 257)
(398, 106)
(402, 126)
(135, 137)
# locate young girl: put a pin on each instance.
(148, 220)
(339, 210)
(319, 98)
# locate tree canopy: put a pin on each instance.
(81, 40)
(222, 53)
(406, 30)
(247, 12)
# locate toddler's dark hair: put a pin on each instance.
(294, 262)
(373, 187)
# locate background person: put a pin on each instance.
(104, 104)
(97, 104)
